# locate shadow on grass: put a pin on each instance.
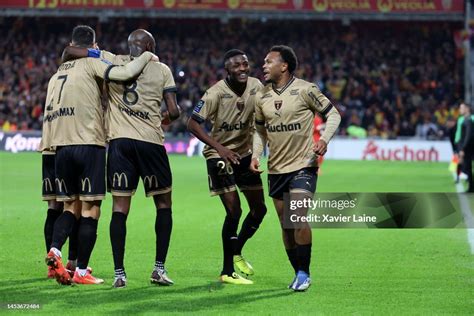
(149, 298)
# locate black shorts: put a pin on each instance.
(224, 178)
(80, 173)
(303, 181)
(130, 159)
(49, 176)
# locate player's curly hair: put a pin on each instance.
(83, 36)
(287, 55)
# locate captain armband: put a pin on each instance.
(94, 53)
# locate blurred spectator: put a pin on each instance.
(427, 129)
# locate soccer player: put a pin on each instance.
(136, 150)
(228, 154)
(78, 134)
(49, 185)
(284, 113)
(466, 144)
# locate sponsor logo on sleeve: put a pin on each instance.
(199, 106)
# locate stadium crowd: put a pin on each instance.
(389, 79)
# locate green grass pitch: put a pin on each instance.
(354, 271)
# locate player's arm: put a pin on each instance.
(73, 52)
(172, 111)
(105, 70)
(317, 101)
(205, 109)
(259, 143)
(45, 144)
(195, 127)
(259, 137)
(333, 119)
(130, 70)
(169, 95)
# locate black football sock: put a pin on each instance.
(73, 241)
(51, 218)
(62, 229)
(87, 236)
(292, 256)
(248, 229)
(163, 228)
(118, 233)
(304, 257)
(229, 240)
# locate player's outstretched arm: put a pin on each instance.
(73, 52)
(130, 70)
(196, 129)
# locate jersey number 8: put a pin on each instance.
(130, 95)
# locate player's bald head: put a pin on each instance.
(140, 41)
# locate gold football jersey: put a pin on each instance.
(288, 115)
(231, 115)
(135, 106)
(79, 118)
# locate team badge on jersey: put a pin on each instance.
(199, 106)
(240, 106)
(278, 104)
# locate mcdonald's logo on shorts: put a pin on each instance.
(60, 183)
(48, 187)
(149, 180)
(118, 177)
(83, 184)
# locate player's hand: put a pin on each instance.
(155, 58)
(165, 118)
(254, 165)
(150, 55)
(228, 155)
(320, 147)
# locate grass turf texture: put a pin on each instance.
(358, 271)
